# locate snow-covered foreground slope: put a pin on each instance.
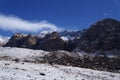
(21, 53)
(21, 70)
(10, 70)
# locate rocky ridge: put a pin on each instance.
(50, 42)
(103, 35)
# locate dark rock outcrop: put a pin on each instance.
(51, 42)
(13, 41)
(72, 44)
(22, 41)
(28, 42)
(104, 35)
(73, 59)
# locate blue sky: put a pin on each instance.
(64, 14)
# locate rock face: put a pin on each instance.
(13, 42)
(28, 42)
(104, 35)
(50, 42)
(72, 44)
(22, 41)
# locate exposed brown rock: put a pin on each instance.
(50, 42)
(23, 41)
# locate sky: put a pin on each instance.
(35, 16)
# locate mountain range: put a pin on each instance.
(97, 47)
(102, 35)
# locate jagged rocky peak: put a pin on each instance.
(52, 35)
(109, 21)
(13, 40)
(20, 35)
(51, 42)
(29, 41)
(103, 35)
(22, 40)
(106, 23)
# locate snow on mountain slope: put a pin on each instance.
(43, 33)
(64, 38)
(4, 39)
(65, 35)
(21, 53)
(10, 70)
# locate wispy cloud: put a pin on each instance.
(12, 23)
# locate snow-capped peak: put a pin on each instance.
(3, 39)
(43, 33)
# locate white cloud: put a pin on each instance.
(11, 23)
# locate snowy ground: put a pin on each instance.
(21, 53)
(11, 70)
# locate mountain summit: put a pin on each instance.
(103, 35)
